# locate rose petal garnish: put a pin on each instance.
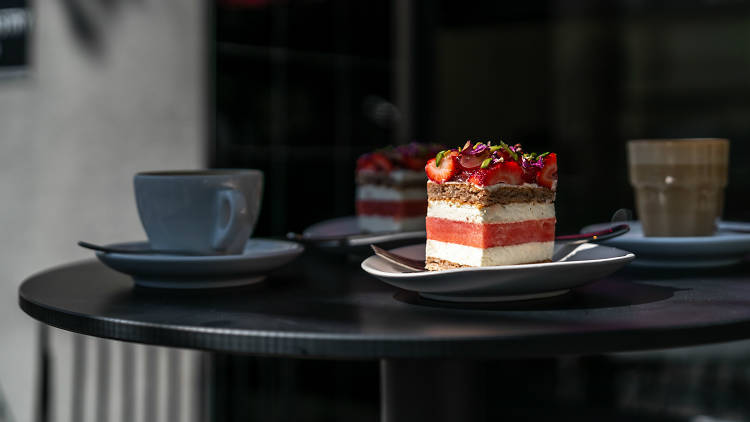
(479, 148)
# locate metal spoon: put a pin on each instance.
(573, 241)
(143, 251)
(354, 239)
(412, 264)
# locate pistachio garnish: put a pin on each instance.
(439, 157)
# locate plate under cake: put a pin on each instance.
(490, 205)
(587, 263)
(390, 188)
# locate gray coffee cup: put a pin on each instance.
(199, 211)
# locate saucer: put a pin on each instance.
(259, 257)
(320, 234)
(725, 248)
(587, 264)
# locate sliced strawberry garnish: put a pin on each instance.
(479, 177)
(547, 176)
(365, 163)
(529, 174)
(445, 171)
(469, 162)
(507, 172)
(414, 163)
(381, 161)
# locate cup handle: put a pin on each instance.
(237, 208)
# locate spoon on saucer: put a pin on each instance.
(571, 243)
(142, 251)
(412, 264)
(354, 239)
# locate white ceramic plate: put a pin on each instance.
(189, 272)
(725, 248)
(360, 241)
(503, 283)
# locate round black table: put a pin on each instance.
(321, 307)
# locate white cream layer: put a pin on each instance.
(379, 223)
(498, 213)
(385, 193)
(400, 175)
(501, 255)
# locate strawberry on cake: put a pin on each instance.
(490, 205)
(390, 188)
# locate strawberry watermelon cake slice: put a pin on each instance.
(490, 205)
(391, 192)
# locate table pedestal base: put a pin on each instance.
(432, 390)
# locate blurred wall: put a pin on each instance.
(122, 93)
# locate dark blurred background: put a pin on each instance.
(302, 87)
(92, 91)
